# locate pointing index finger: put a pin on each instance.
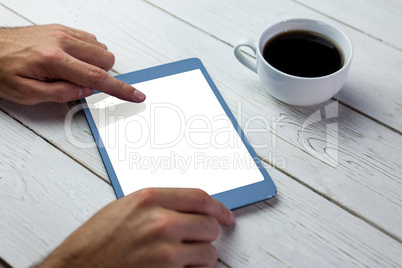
(90, 76)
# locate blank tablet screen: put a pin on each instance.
(180, 136)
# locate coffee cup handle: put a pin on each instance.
(252, 65)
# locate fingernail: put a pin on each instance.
(232, 216)
(85, 92)
(138, 96)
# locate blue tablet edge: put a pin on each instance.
(233, 199)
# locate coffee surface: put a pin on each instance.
(303, 53)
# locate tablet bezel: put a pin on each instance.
(234, 198)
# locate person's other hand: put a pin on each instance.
(54, 63)
(149, 228)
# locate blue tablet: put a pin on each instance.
(183, 135)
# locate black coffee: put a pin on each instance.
(303, 53)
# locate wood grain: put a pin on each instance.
(10, 19)
(368, 16)
(297, 228)
(51, 122)
(368, 175)
(373, 85)
(44, 195)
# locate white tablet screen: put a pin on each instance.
(179, 137)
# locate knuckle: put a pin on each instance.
(62, 94)
(121, 88)
(109, 60)
(171, 254)
(203, 198)
(61, 36)
(96, 75)
(213, 227)
(57, 27)
(146, 196)
(90, 35)
(165, 226)
(50, 54)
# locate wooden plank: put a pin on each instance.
(368, 176)
(45, 195)
(373, 85)
(274, 259)
(10, 19)
(58, 125)
(369, 16)
(299, 229)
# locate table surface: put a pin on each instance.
(337, 166)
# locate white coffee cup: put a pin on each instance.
(297, 90)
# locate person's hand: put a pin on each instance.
(149, 228)
(54, 63)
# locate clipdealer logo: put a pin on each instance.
(125, 134)
(327, 116)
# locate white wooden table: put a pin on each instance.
(343, 212)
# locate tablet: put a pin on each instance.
(183, 136)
